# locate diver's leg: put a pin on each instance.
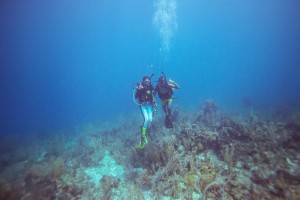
(169, 111)
(145, 115)
(143, 139)
(150, 114)
(164, 107)
(169, 114)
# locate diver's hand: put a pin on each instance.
(173, 84)
(171, 81)
(139, 86)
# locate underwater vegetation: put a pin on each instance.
(209, 154)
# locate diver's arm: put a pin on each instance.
(138, 90)
(172, 84)
(137, 93)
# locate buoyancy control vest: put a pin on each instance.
(168, 94)
(145, 94)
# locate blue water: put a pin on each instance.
(65, 63)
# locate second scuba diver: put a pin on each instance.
(165, 89)
(147, 103)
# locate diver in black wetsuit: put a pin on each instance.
(165, 93)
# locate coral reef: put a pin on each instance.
(207, 155)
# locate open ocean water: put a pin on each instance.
(69, 123)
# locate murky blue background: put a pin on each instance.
(65, 63)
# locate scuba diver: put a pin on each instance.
(165, 89)
(144, 93)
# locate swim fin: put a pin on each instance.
(168, 122)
